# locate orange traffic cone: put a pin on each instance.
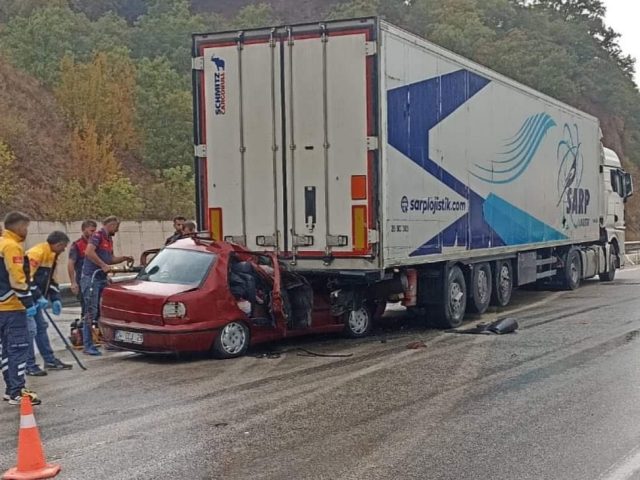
(31, 462)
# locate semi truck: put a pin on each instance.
(381, 166)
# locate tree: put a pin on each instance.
(171, 191)
(92, 158)
(165, 31)
(9, 178)
(38, 43)
(102, 92)
(164, 115)
(129, 10)
(254, 16)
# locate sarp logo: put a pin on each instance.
(219, 86)
(404, 204)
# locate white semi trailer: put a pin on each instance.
(383, 166)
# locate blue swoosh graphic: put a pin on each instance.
(520, 151)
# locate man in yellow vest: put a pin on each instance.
(16, 303)
(43, 258)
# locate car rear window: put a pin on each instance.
(184, 267)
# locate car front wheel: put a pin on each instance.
(232, 341)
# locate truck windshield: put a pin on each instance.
(184, 267)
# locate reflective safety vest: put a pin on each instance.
(15, 294)
(42, 263)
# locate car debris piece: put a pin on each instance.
(499, 327)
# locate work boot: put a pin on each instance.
(17, 399)
(57, 365)
(92, 350)
(36, 372)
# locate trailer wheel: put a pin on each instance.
(451, 310)
(481, 286)
(232, 341)
(611, 274)
(502, 284)
(572, 273)
(358, 322)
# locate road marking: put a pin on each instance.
(624, 469)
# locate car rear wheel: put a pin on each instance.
(232, 341)
(358, 322)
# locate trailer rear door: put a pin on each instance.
(286, 138)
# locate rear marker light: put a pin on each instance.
(174, 310)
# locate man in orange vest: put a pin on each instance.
(16, 303)
(44, 288)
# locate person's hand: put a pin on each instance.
(32, 310)
(106, 268)
(128, 259)
(42, 303)
(75, 288)
(56, 307)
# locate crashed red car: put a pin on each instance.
(190, 298)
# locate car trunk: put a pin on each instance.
(139, 301)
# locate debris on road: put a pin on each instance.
(499, 327)
(416, 345)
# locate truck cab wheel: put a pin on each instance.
(611, 274)
(481, 288)
(572, 273)
(451, 310)
(358, 322)
(502, 284)
(232, 341)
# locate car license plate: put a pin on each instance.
(129, 337)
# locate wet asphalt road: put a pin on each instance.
(560, 399)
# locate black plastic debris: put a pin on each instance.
(499, 327)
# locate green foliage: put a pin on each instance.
(254, 16)
(164, 114)
(165, 31)
(9, 177)
(119, 197)
(171, 191)
(38, 43)
(129, 10)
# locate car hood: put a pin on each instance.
(139, 301)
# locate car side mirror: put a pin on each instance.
(148, 255)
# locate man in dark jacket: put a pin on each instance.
(178, 225)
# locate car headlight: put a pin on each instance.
(174, 310)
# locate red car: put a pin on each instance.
(198, 295)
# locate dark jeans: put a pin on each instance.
(38, 332)
(14, 346)
(92, 288)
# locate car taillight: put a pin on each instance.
(174, 310)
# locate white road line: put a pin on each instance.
(624, 469)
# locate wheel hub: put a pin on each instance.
(482, 285)
(358, 321)
(233, 338)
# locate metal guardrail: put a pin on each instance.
(631, 246)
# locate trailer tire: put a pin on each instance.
(358, 322)
(611, 274)
(452, 308)
(232, 340)
(572, 272)
(481, 288)
(502, 284)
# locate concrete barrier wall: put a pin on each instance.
(132, 239)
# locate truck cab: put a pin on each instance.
(618, 186)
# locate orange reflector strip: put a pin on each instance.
(358, 187)
(360, 234)
(215, 223)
